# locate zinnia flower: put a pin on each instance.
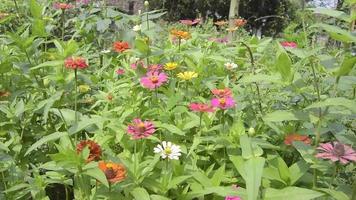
(180, 34)
(155, 67)
(120, 71)
(289, 139)
(136, 28)
(62, 6)
(220, 93)
(121, 46)
(230, 65)
(223, 40)
(75, 63)
(94, 149)
(231, 29)
(189, 22)
(114, 172)
(221, 23)
(140, 129)
(168, 150)
(201, 107)
(232, 198)
(240, 22)
(336, 151)
(223, 103)
(154, 79)
(188, 75)
(289, 44)
(5, 93)
(170, 66)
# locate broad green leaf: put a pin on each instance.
(254, 169)
(346, 66)
(84, 123)
(291, 193)
(171, 128)
(237, 128)
(306, 151)
(35, 9)
(297, 170)
(282, 169)
(284, 66)
(44, 140)
(285, 115)
(339, 101)
(338, 195)
(38, 28)
(202, 179)
(218, 176)
(260, 78)
(239, 163)
(249, 149)
(98, 175)
(48, 64)
(142, 46)
(158, 197)
(140, 194)
(337, 33)
(103, 25)
(332, 13)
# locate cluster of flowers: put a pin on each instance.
(222, 99)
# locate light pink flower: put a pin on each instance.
(189, 22)
(223, 103)
(62, 6)
(336, 151)
(232, 198)
(201, 107)
(153, 79)
(220, 93)
(155, 67)
(140, 129)
(289, 44)
(120, 71)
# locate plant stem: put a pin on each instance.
(17, 7)
(67, 193)
(135, 160)
(179, 41)
(334, 175)
(62, 24)
(75, 99)
(148, 23)
(200, 120)
(317, 89)
(4, 182)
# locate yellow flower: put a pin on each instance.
(231, 29)
(84, 88)
(170, 66)
(187, 75)
(180, 34)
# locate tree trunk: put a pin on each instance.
(234, 11)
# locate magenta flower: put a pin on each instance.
(140, 129)
(153, 79)
(120, 71)
(232, 198)
(223, 103)
(336, 151)
(289, 44)
(201, 107)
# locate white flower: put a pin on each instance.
(230, 65)
(136, 28)
(168, 150)
(105, 51)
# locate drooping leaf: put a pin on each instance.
(140, 194)
(99, 175)
(44, 140)
(291, 193)
(339, 101)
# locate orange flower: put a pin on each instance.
(75, 63)
(94, 149)
(114, 172)
(180, 34)
(221, 23)
(289, 139)
(121, 46)
(240, 22)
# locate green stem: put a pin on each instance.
(75, 100)
(200, 120)
(334, 175)
(17, 7)
(62, 24)
(4, 182)
(317, 89)
(67, 193)
(148, 23)
(135, 161)
(179, 42)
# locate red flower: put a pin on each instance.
(289, 44)
(120, 71)
(121, 46)
(240, 22)
(62, 6)
(94, 149)
(289, 139)
(201, 107)
(114, 172)
(221, 93)
(75, 63)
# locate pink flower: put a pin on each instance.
(336, 151)
(85, 2)
(140, 129)
(136, 64)
(75, 63)
(220, 93)
(232, 198)
(120, 71)
(62, 6)
(223, 40)
(289, 44)
(189, 22)
(153, 79)
(223, 103)
(155, 67)
(201, 107)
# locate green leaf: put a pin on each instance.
(338, 195)
(239, 163)
(158, 197)
(339, 101)
(332, 13)
(99, 175)
(260, 78)
(35, 9)
(284, 66)
(291, 193)
(142, 46)
(297, 170)
(218, 176)
(140, 194)
(84, 123)
(306, 151)
(249, 149)
(103, 25)
(48, 103)
(254, 169)
(38, 28)
(48, 64)
(283, 169)
(337, 33)
(44, 140)
(238, 128)
(202, 179)
(346, 66)
(285, 115)
(171, 128)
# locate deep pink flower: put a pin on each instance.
(336, 151)
(75, 63)
(289, 44)
(189, 22)
(201, 107)
(232, 198)
(223, 103)
(153, 79)
(140, 129)
(220, 93)
(120, 71)
(155, 67)
(62, 6)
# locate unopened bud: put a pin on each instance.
(251, 131)
(147, 3)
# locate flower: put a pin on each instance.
(5, 93)
(136, 28)
(336, 151)
(201, 107)
(232, 198)
(221, 23)
(75, 63)
(230, 65)
(85, 2)
(220, 93)
(120, 71)
(94, 149)
(188, 75)
(153, 79)
(223, 103)
(168, 150)
(3, 15)
(189, 22)
(140, 129)
(289, 139)
(231, 29)
(289, 44)
(62, 6)
(120, 46)
(170, 66)
(84, 88)
(240, 22)
(155, 67)
(180, 34)
(114, 172)
(223, 40)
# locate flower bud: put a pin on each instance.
(251, 131)
(146, 3)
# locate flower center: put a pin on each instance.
(338, 150)
(141, 127)
(110, 173)
(222, 101)
(168, 151)
(154, 79)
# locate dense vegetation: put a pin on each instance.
(97, 104)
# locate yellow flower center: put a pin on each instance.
(222, 101)
(154, 79)
(168, 151)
